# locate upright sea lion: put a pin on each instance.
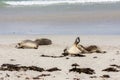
(77, 48)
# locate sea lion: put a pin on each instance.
(94, 49)
(27, 44)
(43, 41)
(77, 48)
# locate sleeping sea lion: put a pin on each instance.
(43, 41)
(27, 44)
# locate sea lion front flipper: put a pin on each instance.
(77, 40)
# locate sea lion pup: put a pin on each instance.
(43, 41)
(75, 48)
(27, 44)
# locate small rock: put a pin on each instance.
(95, 57)
(93, 76)
(105, 76)
(67, 57)
(12, 59)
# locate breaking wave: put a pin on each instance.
(53, 2)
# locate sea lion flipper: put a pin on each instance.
(77, 40)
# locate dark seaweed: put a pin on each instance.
(63, 55)
(114, 65)
(82, 70)
(43, 75)
(77, 55)
(53, 69)
(12, 67)
(111, 69)
(93, 76)
(51, 56)
(105, 76)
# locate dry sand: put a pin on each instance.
(32, 57)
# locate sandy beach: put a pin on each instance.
(60, 21)
(59, 68)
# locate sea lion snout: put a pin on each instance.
(17, 45)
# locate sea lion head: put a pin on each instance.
(66, 53)
(18, 45)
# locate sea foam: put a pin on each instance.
(52, 2)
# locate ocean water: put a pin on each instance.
(71, 17)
